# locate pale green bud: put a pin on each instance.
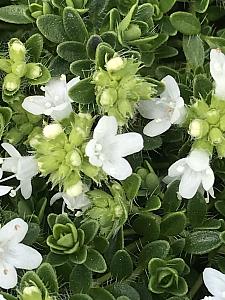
(222, 123)
(213, 116)
(34, 71)
(125, 108)
(11, 83)
(51, 131)
(31, 293)
(108, 97)
(75, 189)
(19, 68)
(101, 78)
(132, 33)
(221, 149)
(198, 128)
(203, 145)
(215, 136)
(200, 108)
(75, 159)
(118, 211)
(5, 65)
(114, 64)
(17, 50)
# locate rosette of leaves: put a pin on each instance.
(166, 276)
(21, 66)
(68, 242)
(37, 8)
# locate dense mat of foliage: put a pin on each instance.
(112, 123)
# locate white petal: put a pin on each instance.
(72, 82)
(217, 64)
(208, 179)
(172, 91)
(4, 189)
(198, 160)
(177, 168)
(56, 197)
(119, 169)
(11, 150)
(178, 113)
(26, 188)
(10, 164)
(214, 281)
(8, 276)
(95, 161)
(27, 168)
(128, 143)
(24, 257)
(156, 127)
(106, 127)
(61, 111)
(14, 231)
(189, 183)
(35, 105)
(56, 91)
(152, 109)
(90, 148)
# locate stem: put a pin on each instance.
(196, 287)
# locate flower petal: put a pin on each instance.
(35, 104)
(198, 160)
(10, 164)
(106, 127)
(27, 168)
(14, 231)
(56, 197)
(26, 188)
(4, 189)
(208, 179)
(179, 112)
(189, 184)
(172, 91)
(72, 82)
(11, 150)
(56, 91)
(214, 281)
(156, 127)
(217, 64)
(24, 257)
(127, 143)
(152, 109)
(177, 168)
(119, 169)
(8, 276)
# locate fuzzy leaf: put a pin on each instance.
(185, 22)
(121, 265)
(95, 261)
(80, 279)
(14, 14)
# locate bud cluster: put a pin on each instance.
(207, 125)
(119, 88)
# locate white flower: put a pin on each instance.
(167, 110)
(194, 172)
(217, 70)
(14, 254)
(24, 169)
(51, 131)
(56, 102)
(80, 202)
(2, 297)
(107, 148)
(215, 283)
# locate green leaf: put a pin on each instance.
(99, 293)
(148, 226)
(215, 42)
(165, 6)
(185, 22)
(31, 277)
(44, 78)
(81, 297)
(95, 261)
(82, 67)
(34, 46)
(80, 256)
(92, 45)
(48, 275)
(196, 210)
(103, 53)
(80, 279)
(201, 242)
(202, 86)
(6, 113)
(121, 265)
(51, 26)
(131, 186)
(166, 51)
(56, 259)
(59, 66)
(14, 14)
(173, 224)
(171, 201)
(32, 233)
(71, 51)
(123, 289)
(152, 203)
(220, 206)
(194, 51)
(74, 25)
(90, 229)
(201, 5)
(83, 92)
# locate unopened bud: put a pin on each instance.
(198, 128)
(11, 83)
(5, 65)
(17, 50)
(221, 149)
(75, 189)
(51, 131)
(222, 123)
(200, 108)
(108, 97)
(19, 69)
(213, 116)
(132, 33)
(114, 64)
(75, 159)
(34, 71)
(215, 136)
(31, 293)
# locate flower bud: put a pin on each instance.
(115, 64)
(222, 123)
(75, 159)
(17, 50)
(215, 136)
(31, 293)
(14, 136)
(75, 189)
(203, 145)
(213, 116)
(19, 69)
(125, 108)
(51, 131)
(221, 149)
(11, 83)
(198, 128)
(5, 65)
(108, 97)
(34, 71)
(200, 108)
(101, 78)
(132, 33)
